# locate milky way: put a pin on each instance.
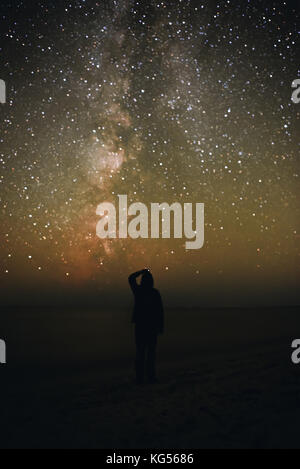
(183, 101)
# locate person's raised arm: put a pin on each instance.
(132, 278)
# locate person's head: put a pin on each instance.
(147, 280)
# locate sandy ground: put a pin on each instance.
(226, 381)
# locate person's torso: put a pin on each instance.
(146, 307)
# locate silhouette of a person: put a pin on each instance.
(148, 317)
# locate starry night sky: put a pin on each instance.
(186, 101)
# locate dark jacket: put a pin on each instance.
(148, 314)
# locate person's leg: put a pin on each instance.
(140, 359)
(151, 360)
